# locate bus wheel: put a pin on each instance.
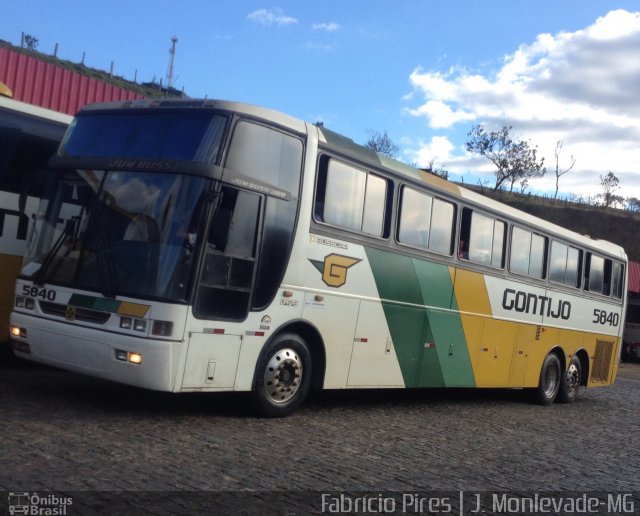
(550, 379)
(283, 376)
(571, 381)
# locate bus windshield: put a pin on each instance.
(168, 135)
(118, 233)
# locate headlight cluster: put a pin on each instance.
(158, 328)
(128, 356)
(25, 302)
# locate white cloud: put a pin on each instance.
(329, 27)
(438, 150)
(271, 17)
(580, 86)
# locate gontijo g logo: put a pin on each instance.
(334, 268)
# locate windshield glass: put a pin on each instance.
(157, 135)
(118, 232)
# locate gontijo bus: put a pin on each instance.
(29, 135)
(215, 246)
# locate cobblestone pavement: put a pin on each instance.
(66, 432)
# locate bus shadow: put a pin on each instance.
(85, 395)
(371, 399)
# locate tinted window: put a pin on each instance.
(481, 239)
(599, 273)
(415, 218)
(155, 135)
(442, 219)
(527, 253)
(344, 200)
(227, 272)
(617, 281)
(351, 198)
(265, 155)
(426, 222)
(564, 264)
(277, 235)
(374, 205)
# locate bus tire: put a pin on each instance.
(283, 376)
(571, 380)
(550, 379)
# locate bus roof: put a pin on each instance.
(35, 111)
(348, 147)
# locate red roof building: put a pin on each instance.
(634, 277)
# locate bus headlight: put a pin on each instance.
(128, 356)
(140, 325)
(135, 358)
(25, 302)
(16, 331)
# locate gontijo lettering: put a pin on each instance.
(535, 304)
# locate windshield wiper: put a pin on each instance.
(68, 232)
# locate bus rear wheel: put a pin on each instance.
(550, 379)
(571, 380)
(283, 376)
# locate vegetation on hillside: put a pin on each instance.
(598, 222)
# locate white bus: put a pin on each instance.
(215, 246)
(29, 135)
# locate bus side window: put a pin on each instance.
(351, 198)
(598, 274)
(482, 239)
(618, 280)
(528, 253)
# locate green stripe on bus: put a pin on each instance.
(94, 303)
(430, 344)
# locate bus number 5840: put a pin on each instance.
(604, 317)
(33, 291)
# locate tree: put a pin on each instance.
(559, 174)
(516, 160)
(438, 171)
(31, 42)
(382, 143)
(610, 183)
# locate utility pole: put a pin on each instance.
(172, 54)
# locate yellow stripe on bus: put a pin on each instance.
(133, 309)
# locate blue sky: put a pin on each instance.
(424, 71)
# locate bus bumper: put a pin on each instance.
(96, 353)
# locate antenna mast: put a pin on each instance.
(172, 54)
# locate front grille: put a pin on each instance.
(80, 314)
(602, 361)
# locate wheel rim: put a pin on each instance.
(283, 376)
(573, 379)
(551, 377)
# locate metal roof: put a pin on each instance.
(47, 85)
(634, 277)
